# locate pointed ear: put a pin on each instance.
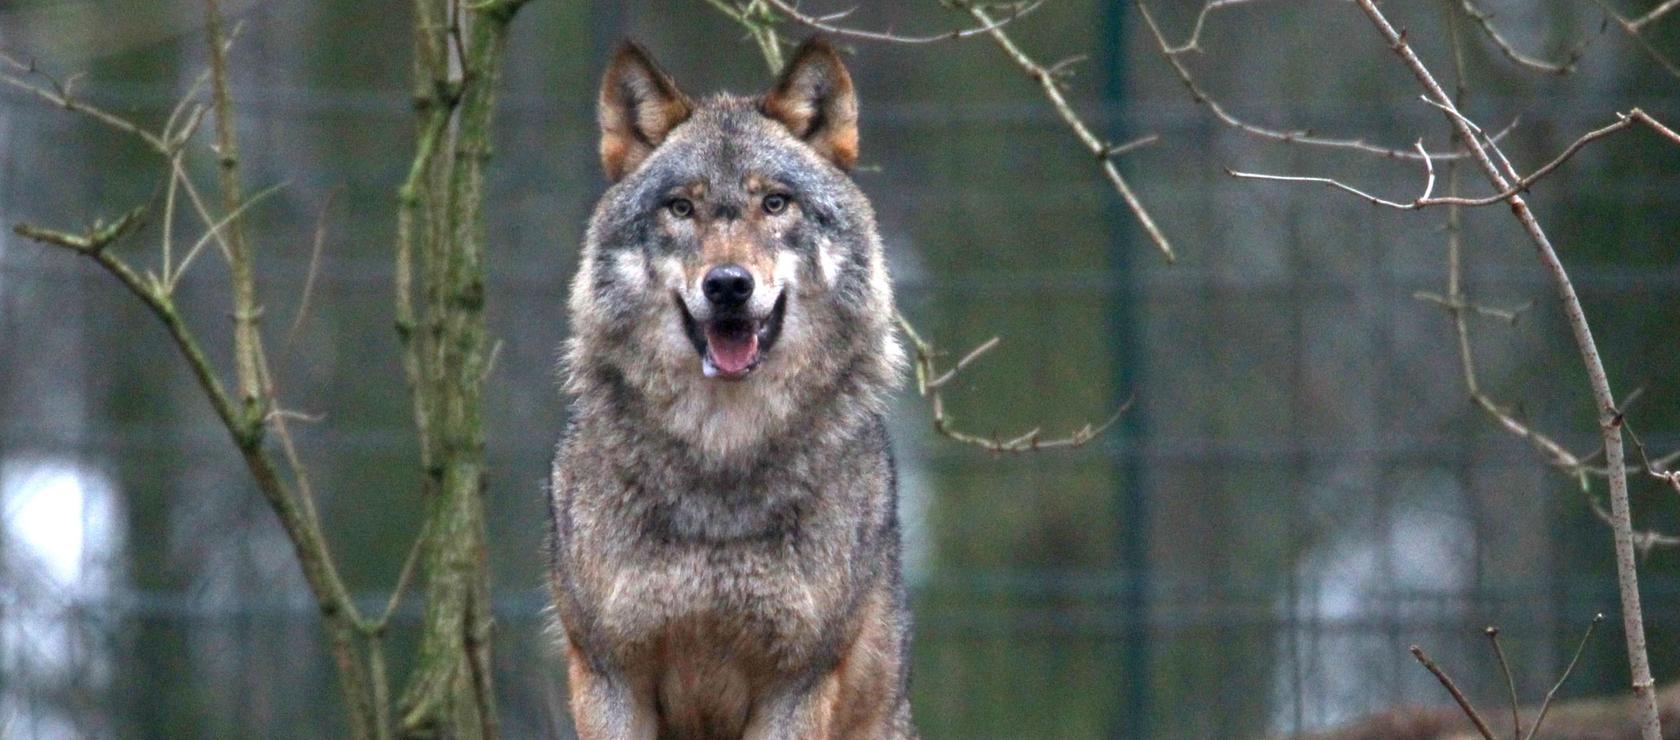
(815, 100)
(639, 106)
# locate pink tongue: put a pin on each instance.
(732, 351)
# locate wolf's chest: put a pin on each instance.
(736, 601)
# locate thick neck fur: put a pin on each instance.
(732, 427)
(698, 480)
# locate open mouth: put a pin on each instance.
(732, 344)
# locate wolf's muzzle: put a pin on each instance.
(732, 343)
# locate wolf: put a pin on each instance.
(724, 543)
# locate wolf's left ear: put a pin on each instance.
(639, 106)
(815, 100)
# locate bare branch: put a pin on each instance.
(1655, 469)
(1547, 702)
(1194, 41)
(374, 631)
(405, 577)
(1116, 150)
(1485, 20)
(90, 242)
(1507, 315)
(973, 354)
(59, 95)
(1510, 684)
(1644, 540)
(441, 224)
(1304, 136)
(1609, 419)
(168, 243)
(410, 216)
(763, 31)
(823, 24)
(1451, 110)
(1331, 182)
(760, 26)
(1632, 29)
(1518, 185)
(1663, 131)
(1522, 184)
(1645, 20)
(930, 383)
(200, 207)
(1103, 151)
(314, 265)
(1428, 188)
(217, 231)
(245, 310)
(1452, 688)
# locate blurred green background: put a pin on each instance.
(1300, 492)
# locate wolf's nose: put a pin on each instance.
(727, 286)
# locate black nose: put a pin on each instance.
(727, 286)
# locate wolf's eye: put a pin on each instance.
(681, 207)
(775, 203)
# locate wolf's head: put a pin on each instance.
(732, 279)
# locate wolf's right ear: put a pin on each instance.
(638, 108)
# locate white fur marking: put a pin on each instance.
(829, 262)
(631, 269)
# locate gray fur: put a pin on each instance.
(725, 554)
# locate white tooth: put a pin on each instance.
(707, 368)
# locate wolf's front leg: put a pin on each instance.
(829, 710)
(605, 706)
(805, 710)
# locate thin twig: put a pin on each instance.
(92, 241)
(930, 383)
(374, 632)
(1194, 41)
(167, 247)
(1645, 20)
(218, 231)
(1506, 315)
(1452, 688)
(405, 577)
(1428, 188)
(1510, 684)
(973, 354)
(1331, 182)
(1644, 540)
(1653, 468)
(1546, 704)
(314, 265)
(1565, 67)
(1518, 185)
(1632, 29)
(200, 207)
(1098, 148)
(764, 32)
(60, 96)
(1303, 136)
(243, 421)
(821, 24)
(1663, 131)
